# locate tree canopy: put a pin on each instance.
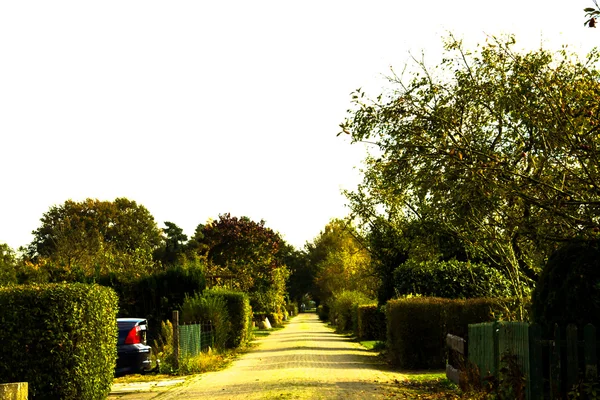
(93, 237)
(499, 148)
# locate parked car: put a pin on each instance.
(133, 353)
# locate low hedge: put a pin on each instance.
(343, 310)
(240, 315)
(417, 327)
(60, 338)
(371, 322)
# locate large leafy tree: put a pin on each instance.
(499, 148)
(244, 255)
(92, 238)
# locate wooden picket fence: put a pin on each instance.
(551, 366)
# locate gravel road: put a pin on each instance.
(305, 360)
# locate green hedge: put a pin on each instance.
(371, 322)
(417, 327)
(60, 338)
(343, 310)
(240, 315)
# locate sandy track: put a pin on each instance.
(306, 360)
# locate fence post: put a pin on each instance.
(572, 359)
(591, 361)
(176, 339)
(535, 362)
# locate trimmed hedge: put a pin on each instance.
(371, 322)
(240, 315)
(60, 338)
(343, 310)
(417, 327)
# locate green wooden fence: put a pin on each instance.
(551, 366)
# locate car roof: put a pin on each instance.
(132, 320)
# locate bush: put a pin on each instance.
(417, 327)
(211, 310)
(451, 280)
(568, 289)
(343, 310)
(371, 322)
(162, 347)
(60, 338)
(323, 312)
(240, 315)
(155, 296)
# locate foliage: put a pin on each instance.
(417, 327)
(568, 288)
(244, 255)
(156, 295)
(591, 14)
(240, 315)
(8, 265)
(499, 148)
(371, 322)
(209, 308)
(340, 262)
(450, 279)
(173, 250)
(343, 309)
(60, 338)
(162, 347)
(80, 241)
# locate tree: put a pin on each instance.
(244, 255)
(87, 239)
(8, 265)
(499, 148)
(174, 247)
(340, 262)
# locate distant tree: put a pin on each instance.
(302, 276)
(173, 250)
(340, 262)
(8, 265)
(244, 255)
(91, 238)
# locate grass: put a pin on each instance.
(375, 345)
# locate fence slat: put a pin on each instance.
(555, 365)
(572, 356)
(535, 362)
(591, 362)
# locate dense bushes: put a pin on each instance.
(240, 315)
(155, 296)
(211, 310)
(450, 279)
(371, 322)
(61, 338)
(343, 309)
(568, 289)
(417, 327)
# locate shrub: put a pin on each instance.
(343, 309)
(568, 289)
(155, 296)
(162, 347)
(450, 279)
(371, 322)
(61, 338)
(209, 308)
(240, 315)
(417, 327)
(323, 312)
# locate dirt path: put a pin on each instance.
(306, 360)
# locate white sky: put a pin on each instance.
(198, 108)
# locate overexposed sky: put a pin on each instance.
(196, 108)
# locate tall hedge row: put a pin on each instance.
(240, 315)
(417, 327)
(60, 338)
(371, 322)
